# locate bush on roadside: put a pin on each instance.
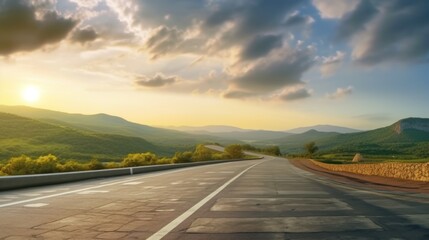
(139, 159)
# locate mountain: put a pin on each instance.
(294, 142)
(251, 136)
(323, 128)
(407, 137)
(208, 129)
(20, 135)
(107, 124)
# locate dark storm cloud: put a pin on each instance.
(158, 80)
(84, 35)
(295, 95)
(355, 21)
(398, 32)
(20, 30)
(273, 75)
(261, 46)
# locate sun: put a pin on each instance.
(30, 94)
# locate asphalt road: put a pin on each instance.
(257, 199)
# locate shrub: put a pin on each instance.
(201, 153)
(46, 164)
(139, 159)
(234, 151)
(94, 164)
(182, 157)
(19, 166)
(72, 166)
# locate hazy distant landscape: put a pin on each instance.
(36, 132)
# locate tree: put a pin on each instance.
(311, 148)
(201, 153)
(234, 151)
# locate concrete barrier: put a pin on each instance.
(23, 181)
(407, 171)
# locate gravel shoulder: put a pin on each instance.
(383, 183)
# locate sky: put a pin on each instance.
(259, 64)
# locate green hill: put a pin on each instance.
(107, 124)
(19, 135)
(408, 138)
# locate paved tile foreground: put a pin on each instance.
(271, 200)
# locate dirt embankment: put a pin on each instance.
(380, 182)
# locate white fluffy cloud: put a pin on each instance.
(334, 8)
(330, 64)
(340, 93)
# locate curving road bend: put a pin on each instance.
(257, 199)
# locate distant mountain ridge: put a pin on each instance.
(421, 124)
(208, 129)
(409, 137)
(20, 135)
(323, 128)
(108, 124)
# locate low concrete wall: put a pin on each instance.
(23, 181)
(408, 171)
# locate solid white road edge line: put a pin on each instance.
(173, 224)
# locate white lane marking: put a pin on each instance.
(154, 187)
(173, 224)
(35, 205)
(176, 183)
(99, 186)
(132, 183)
(165, 210)
(92, 192)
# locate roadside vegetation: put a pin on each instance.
(51, 164)
(311, 150)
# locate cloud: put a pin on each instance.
(355, 21)
(159, 80)
(387, 31)
(165, 40)
(334, 8)
(86, 3)
(237, 94)
(84, 35)
(330, 64)
(261, 46)
(297, 20)
(22, 30)
(294, 94)
(340, 93)
(273, 74)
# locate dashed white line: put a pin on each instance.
(36, 205)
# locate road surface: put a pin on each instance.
(256, 199)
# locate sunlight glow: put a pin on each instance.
(30, 94)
